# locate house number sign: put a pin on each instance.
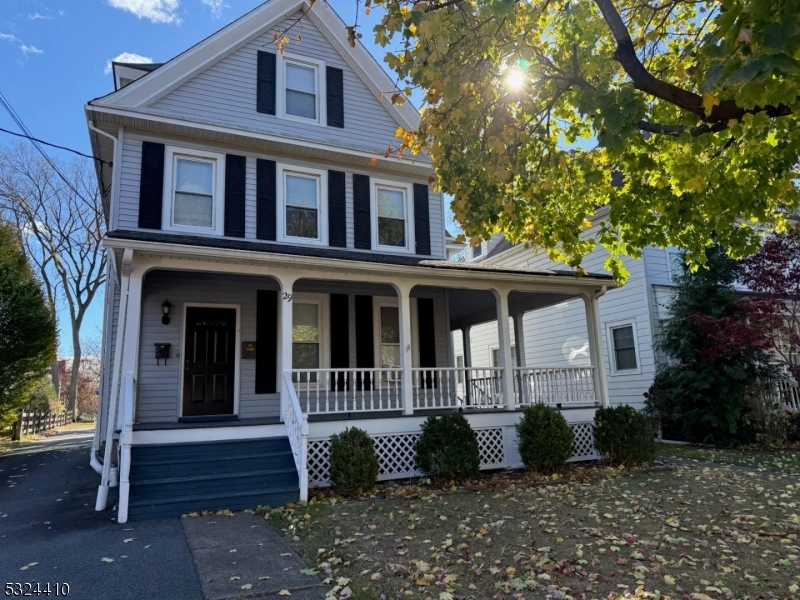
(287, 296)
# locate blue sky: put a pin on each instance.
(54, 57)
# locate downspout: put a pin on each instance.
(93, 462)
(114, 395)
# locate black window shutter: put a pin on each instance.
(340, 338)
(422, 219)
(265, 88)
(235, 178)
(266, 199)
(151, 185)
(365, 343)
(337, 210)
(361, 210)
(334, 83)
(266, 341)
(427, 339)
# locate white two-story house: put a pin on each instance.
(273, 278)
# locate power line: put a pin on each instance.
(33, 139)
(18, 120)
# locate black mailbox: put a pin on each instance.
(162, 351)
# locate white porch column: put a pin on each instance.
(406, 364)
(504, 344)
(285, 333)
(596, 348)
(519, 338)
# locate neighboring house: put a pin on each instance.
(274, 279)
(556, 336)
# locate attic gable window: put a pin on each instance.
(301, 89)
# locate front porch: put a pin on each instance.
(255, 350)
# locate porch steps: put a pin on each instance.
(168, 480)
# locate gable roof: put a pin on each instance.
(167, 77)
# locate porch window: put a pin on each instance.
(305, 337)
(193, 191)
(390, 337)
(460, 372)
(624, 348)
(496, 358)
(302, 200)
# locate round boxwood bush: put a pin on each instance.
(544, 438)
(354, 465)
(623, 436)
(448, 449)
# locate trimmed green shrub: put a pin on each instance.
(624, 436)
(354, 465)
(544, 438)
(448, 449)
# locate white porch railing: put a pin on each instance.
(296, 423)
(329, 391)
(452, 387)
(783, 390)
(125, 440)
(567, 386)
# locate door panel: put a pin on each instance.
(210, 361)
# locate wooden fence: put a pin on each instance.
(34, 422)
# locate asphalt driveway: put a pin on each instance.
(50, 532)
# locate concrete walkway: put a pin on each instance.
(50, 533)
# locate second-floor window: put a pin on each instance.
(393, 213)
(302, 217)
(194, 191)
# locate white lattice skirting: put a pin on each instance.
(396, 452)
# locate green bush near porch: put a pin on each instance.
(447, 450)
(623, 436)
(545, 439)
(354, 465)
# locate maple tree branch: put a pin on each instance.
(643, 80)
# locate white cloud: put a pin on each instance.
(37, 16)
(25, 48)
(216, 7)
(157, 11)
(128, 57)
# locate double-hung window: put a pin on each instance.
(302, 93)
(622, 338)
(393, 210)
(496, 357)
(194, 191)
(390, 337)
(302, 217)
(305, 339)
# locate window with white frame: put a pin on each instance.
(306, 337)
(496, 360)
(623, 344)
(674, 263)
(302, 216)
(460, 367)
(302, 93)
(477, 250)
(194, 191)
(393, 214)
(389, 337)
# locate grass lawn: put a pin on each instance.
(684, 531)
(778, 461)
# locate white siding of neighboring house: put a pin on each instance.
(130, 173)
(554, 333)
(226, 94)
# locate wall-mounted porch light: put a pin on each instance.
(166, 307)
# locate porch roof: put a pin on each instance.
(338, 254)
